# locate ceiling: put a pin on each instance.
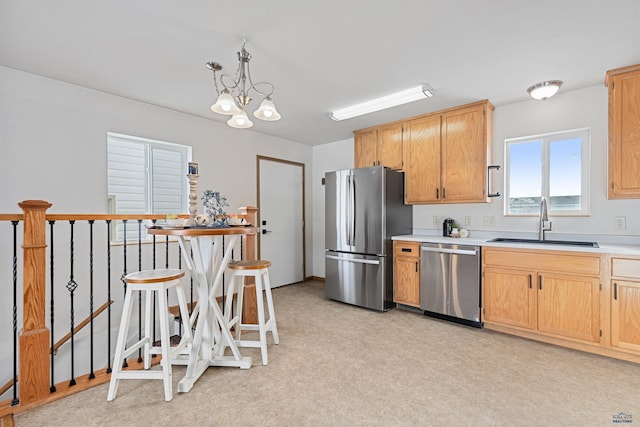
(321, 55)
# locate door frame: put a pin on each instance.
(304, 215)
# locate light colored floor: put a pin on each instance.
(338, 365)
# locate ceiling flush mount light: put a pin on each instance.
(544, 90)
(234, 98)
(398, 98)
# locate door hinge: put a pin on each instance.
(600, 332)
(600, 287)
(612, 85)
(612, 185)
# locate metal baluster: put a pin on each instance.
(52, 387)
(139, 292)
(91, 373)
(154, 294)
(109, 296)
(71, 287)
(223, 304)
(124, 268)
(15, 399)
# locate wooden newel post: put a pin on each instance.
(249, 249)
(34, 337)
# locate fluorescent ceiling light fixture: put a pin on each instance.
(544, 90)
(398, 98)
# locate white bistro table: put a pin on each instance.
(207, 261)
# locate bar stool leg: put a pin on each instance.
(120, 344)
(261, 324)
(240, 296)
(146, 353)
(272, 314)
(165, 345)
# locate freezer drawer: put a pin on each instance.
(358, 279)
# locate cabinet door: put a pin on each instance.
(625, 315)
(509, 297)
(406, 278)
(464, 155)
(569, 306)
(390, 145)
(624, 136)
(422, 160)
(365, 146)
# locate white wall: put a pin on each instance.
(53, 146)
(568, 110)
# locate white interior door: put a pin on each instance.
(281, 212)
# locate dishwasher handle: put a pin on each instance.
(450, 251)
(357, 261)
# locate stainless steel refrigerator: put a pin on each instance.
(363, 208)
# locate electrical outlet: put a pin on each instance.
(620, 222)
(436, 220)
(489, 221)
(467, 221)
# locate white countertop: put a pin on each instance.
(616, 249)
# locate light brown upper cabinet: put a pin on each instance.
(624, 132)
(381, 145)
(446, 155)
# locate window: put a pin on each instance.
(555, 166)
(145, 176)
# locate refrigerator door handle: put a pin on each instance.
(352, 204)
(347, 201)
(356, 261)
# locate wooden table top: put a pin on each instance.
(202, 231)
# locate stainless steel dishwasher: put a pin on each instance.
(450, 282)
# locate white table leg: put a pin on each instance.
(212, 334)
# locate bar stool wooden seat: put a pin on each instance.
(149, 282)
(259, 269)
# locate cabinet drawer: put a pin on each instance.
(564, 262)
(624, 267)
(407, 249)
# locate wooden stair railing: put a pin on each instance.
(34, 339)
(61, 341)
(79, 327)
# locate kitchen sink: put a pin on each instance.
(545, 242)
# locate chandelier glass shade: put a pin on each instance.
(236, 93)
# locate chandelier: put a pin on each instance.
(235, 95)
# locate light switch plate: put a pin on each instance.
(467, 221)
(620, 222)
(489, 221)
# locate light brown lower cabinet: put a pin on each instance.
(406, 273)
(625, 304)
(567, 298)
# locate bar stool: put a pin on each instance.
(150, 282)
(259, 269)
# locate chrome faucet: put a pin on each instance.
(543, 218)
